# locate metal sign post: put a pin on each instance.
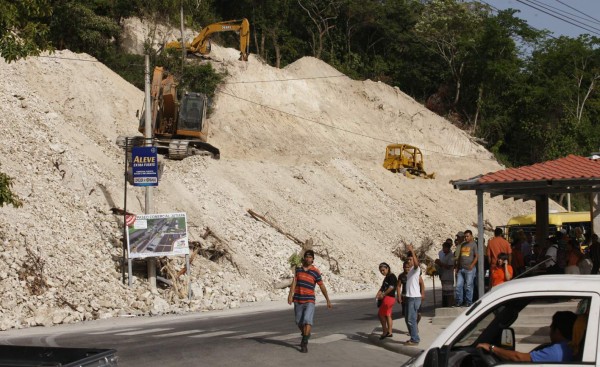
(125, 215)
(148, 136)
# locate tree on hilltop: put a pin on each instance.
(23, 31)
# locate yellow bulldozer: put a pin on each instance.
(405, 159)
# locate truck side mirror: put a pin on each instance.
(507, 339)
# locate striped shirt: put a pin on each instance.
(305, 284)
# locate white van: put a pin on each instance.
(516, 315)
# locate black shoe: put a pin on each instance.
(304, 347)
(388, 335)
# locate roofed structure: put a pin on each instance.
(570, 174)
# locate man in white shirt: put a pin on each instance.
(551, 254)
(445, 268)
(413, 296)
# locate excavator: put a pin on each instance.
(201, 43)
(180, 128)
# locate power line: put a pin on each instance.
(587, 15)
(291, 114)
(67, 58)
(348, 131)
(555, 16)
(490, 5)
(84, 60)
(498, 10)
(563, 13)
(286, 80)
(560, 11)
(240, 82)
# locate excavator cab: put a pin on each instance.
(192, 112)
(179, 126)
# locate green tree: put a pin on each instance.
(493, 70)
(23, 28)
(272, 22)
(450, 29)
(322, 14)
(76, 26)
(560, 99)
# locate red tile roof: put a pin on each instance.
(570, 167)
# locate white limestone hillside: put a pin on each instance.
(302, 146)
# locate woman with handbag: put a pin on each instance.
(386, 299)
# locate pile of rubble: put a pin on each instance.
(303, 151)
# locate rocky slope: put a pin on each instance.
(302, 146)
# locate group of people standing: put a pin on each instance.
(563, 253)
(458, 269)
(408, 289)
(567, 253)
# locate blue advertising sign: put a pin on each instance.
(144, 164)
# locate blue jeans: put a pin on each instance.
(464, 286)
(413, 304)
(304, 313)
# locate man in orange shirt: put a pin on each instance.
(496, 246)
(502, 272)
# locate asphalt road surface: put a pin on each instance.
(262, 336)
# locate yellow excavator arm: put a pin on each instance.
(201, 43)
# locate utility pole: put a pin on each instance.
(148, 142)
(183, 50)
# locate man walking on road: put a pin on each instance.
(302, 293)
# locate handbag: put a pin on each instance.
(379, 302)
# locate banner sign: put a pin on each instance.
(153, 235)
(144, 164)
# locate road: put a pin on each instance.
(264, 335)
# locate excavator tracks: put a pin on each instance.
(175, 149)
(180, 149)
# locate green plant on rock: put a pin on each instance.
(6, 195)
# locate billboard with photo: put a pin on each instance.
(154, 235)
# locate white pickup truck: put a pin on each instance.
(516, 315)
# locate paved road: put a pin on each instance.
(243, 337)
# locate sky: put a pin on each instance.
(582, 13)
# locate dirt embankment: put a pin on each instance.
(302, 146)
